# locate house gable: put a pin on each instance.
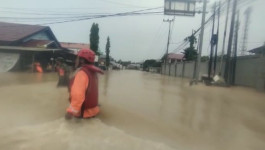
(45, 34)
(12, 34)
(38, 36)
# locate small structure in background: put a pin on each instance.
(173, 58)
(113, 65)
(22, 45)
(74, 47)
(134, 66)
(102, 62)
(258, 51)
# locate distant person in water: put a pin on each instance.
(83, 87)
(63, 72)
(38, 67)
(49, 67)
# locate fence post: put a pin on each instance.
(183, 69)
(176, 67)
(169, 68)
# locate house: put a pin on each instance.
(102, 60)
(21, 45)
(258, 51)
(134, 66)
(113, 64)
(74, 47)
(172, 57)
(71, 50)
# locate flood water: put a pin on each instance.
(138, 111)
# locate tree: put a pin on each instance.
(94, 38)
(190, 52)
(163, 57)
(151, 63)
(108, 52)
(205, 58)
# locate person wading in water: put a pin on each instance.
(83, 87)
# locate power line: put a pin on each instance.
(157, 34)
(241, 4)
(104, 16)
(74, 17)
(119, 3)
(52, 14)
(63, 19)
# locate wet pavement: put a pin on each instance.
(139, 110)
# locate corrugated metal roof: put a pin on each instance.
(33, 49)
(37, 43)
(74, 45)
(12, 32)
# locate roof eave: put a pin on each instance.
(20, 48)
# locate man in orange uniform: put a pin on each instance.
(84, 87)
(38, 67)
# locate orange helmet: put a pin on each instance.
(37, 63)
(87, 54)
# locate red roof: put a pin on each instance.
(10, 32)
(74, 45)
(37, 43)
(175, 56)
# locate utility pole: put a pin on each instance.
(223, 48)
(212, 45)
(230, 41)
(217, 36)
(198, 64)
(246, 28)
(235, 50)
(168, 40)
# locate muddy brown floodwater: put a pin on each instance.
(139, 111)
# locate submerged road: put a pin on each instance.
(139, 110)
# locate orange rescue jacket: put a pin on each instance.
(84, 92)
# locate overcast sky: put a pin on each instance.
(134, 38)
